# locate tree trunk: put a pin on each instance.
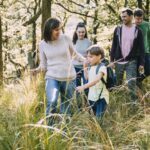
(46, 12)
(34, 36)
(95, 23)
(85, 18)
(140, 3)
(1, 57)
(126, 3)
(147, 10)
(32, 53)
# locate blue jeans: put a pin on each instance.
(80, 98)
(141, 77)
(147, 64)
(98, 107)
(80, 75)
(131, 73)
(66, 90)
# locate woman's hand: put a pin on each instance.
(34, 71)
(80, 89)
(111, 65)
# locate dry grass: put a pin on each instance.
(23, 123)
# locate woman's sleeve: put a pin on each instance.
(43, 59)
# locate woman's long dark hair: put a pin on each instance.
(50, 25)
(75, 37)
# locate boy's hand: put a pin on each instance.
(112, 65)
(86, 62)
(79, 89)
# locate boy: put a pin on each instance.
(98, 95)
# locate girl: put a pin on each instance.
(81, 43)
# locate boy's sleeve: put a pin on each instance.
(103, 69)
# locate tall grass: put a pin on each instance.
(23, 123)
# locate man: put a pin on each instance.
(127, 46)
(145, 27)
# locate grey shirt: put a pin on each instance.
(81, 47)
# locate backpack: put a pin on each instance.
(110, 81)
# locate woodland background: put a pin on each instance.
(22, 98)
(21, 24)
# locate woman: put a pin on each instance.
(81, 43)
(56, 52)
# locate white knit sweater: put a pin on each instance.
(56, 58)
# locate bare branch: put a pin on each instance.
(96, 2)
(111, 8)
(33, 19)
(15, 63)
(74, 12)
(1, 3)
(76, 3)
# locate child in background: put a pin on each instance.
(81, 44)
(98, 95)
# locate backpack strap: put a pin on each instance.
(98, 66)
(97, 69)
(100, 94)
(102, 79)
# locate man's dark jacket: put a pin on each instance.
(137, 51)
